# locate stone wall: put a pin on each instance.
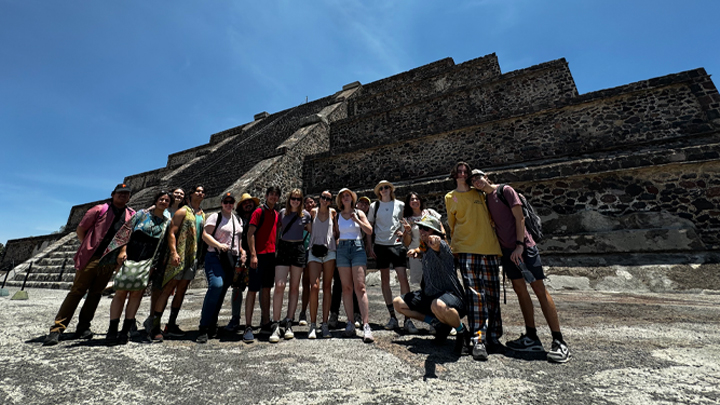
(629, 120)
(429, 109)
(19, 250)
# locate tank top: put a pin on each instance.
(322, 233)
(349, 229)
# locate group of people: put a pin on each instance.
(258, 247)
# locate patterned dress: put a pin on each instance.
(186, 244)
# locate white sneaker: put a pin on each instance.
(409, 327)
(349, 330)
(559, 352)
(325, 331)
(358, 320)
(288, 333)
(302, 321)
(332, 322)
(392, 324)
(312, 334)
(275, 336)
(453, 332)
(367, 334)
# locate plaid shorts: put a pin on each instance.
(481, 277)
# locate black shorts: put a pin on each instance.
(387, 255)
(264, 275)
(531, 258)
(291, 254)
(419, 302)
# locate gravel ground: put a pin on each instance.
(627, 349)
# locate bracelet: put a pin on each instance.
(519, 243)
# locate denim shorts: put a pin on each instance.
(331, 255)
(351, 253)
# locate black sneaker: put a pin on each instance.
(442, 331)
(83, 334)
(495, 347)
(52, 339)
(173, 330)
(462, 343)
(266, 327)
(559, 352)
(525, 344)
(202, 338)
(123, 338)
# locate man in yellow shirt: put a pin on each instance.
(477, 250)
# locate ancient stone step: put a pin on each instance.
(16, 285)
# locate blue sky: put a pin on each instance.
(93, 91)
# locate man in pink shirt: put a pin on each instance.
(95, 232)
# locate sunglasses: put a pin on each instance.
(383, 188)
(424, 228)
(295, 199)
(228, 202)
(325, 198)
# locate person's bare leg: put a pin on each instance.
(445, 314)
(358, 274)
(328, 271)
(547, 305)
(281, 273)
(314, 269)
(294, 293)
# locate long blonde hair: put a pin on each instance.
(288, 207)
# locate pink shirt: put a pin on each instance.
(504, 218)
(96, 226)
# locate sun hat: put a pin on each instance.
(383, 183)
(338, 198)
(247, 196)
(431, 222)
(365, 198)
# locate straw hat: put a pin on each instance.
(431, 222)
(383, 183)
(247, 196)
(338, 198)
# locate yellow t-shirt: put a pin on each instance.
(470, 225)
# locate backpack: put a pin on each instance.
(533, 223)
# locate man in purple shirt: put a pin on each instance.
(95, 232)
(521, 262)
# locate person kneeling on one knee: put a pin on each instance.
(439, 302)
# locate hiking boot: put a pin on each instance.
(248, 336)
(559, 352)
(174, 330)
(333, 321)
(289, 332)
(275, 335)
(312, 334)
(52, 339)
(409, 327)
(462, 343)
(302, 321)
(392, 324)
(358, 320)
(479, 352)
(202, 338)
(349, 330)
(325, 331)
(525, 344)
(83, 334)
(367, 334)
(111, 337)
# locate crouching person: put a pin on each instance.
(440, 301)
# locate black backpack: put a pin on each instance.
(533, 223)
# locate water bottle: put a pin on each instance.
(527, 275)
